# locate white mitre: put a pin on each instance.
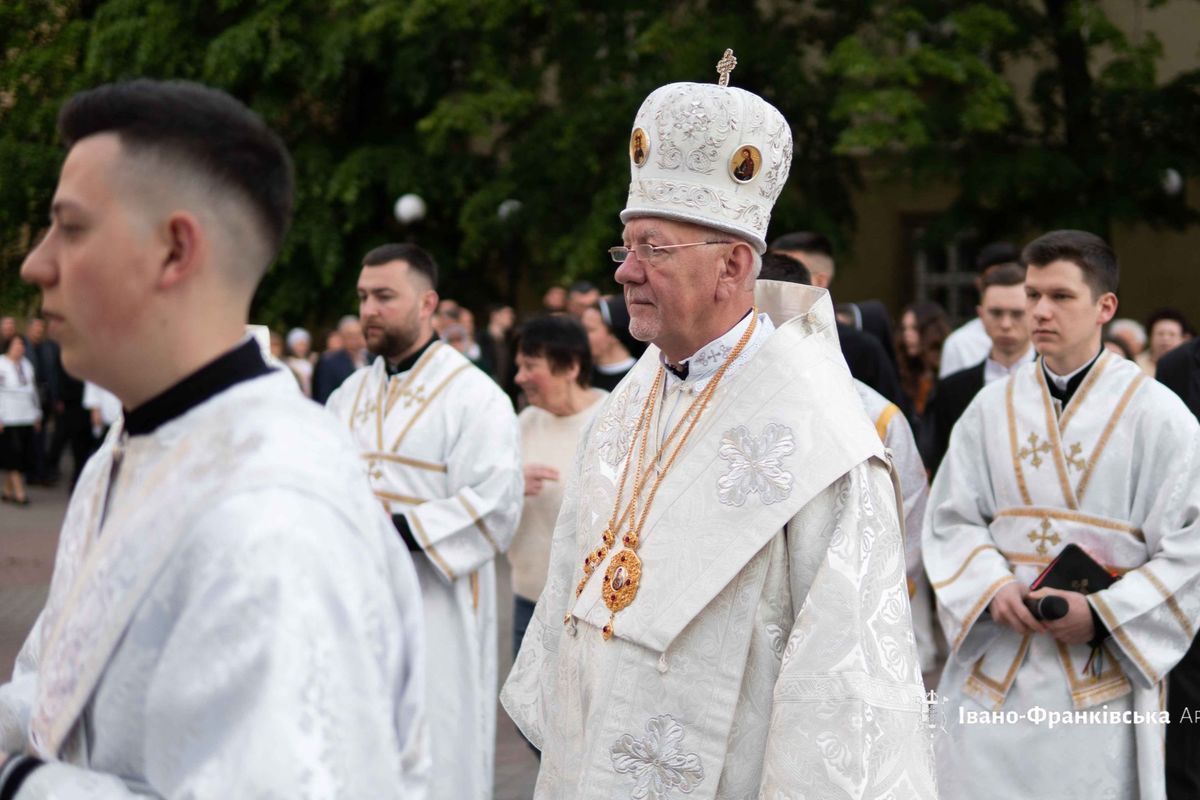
(709, 154)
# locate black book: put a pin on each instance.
(1073, 570)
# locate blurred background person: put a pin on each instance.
(969, 344)
(1117, 346)
(337, 365)
(554, 300)
(1130, 333)
(554, 365)
(103, 407)
(43, 354)
(299, 358)
(8, 328)
(923, 329)
(276, 345)
(495, 345)
(614, 350)
(1166, 329)
(20, 415)
(581, 296)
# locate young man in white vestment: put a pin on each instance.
(725, 614)
(230, 614)
(440, 447)
(1077, 448)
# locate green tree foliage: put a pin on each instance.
(465, 102)
(1081, 140)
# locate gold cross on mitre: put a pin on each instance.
(725, 66)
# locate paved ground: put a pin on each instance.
(29, 535)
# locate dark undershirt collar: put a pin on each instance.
(410, 362)
(240, 364)
(1064, 395)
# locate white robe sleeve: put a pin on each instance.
(846, 718)
(292, 670)
(1152, 612)
(16, 696)
(964, 565)
(476, 522)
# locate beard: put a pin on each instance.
(392, 343)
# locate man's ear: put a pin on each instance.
(429, 302)
(1108, 307)
(737, 269)
(184, 240)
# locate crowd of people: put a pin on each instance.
(749, 527)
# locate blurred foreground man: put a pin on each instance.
(441, 449)
(725, 614)
(1078, 448)
(230, 614)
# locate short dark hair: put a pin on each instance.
(1002, 274)
(1168, 313)
(204, 129)
(1085, 250)
(581, 287)
(805, 241)
(995, 253)
(416, 258)
(561, 340)
(778, 266)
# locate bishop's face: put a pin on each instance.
(395, 305)
(671, 296)
(96, 266)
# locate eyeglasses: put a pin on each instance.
(645, 252)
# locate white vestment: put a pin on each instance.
(897, 436)
(230, 616)
(964, 347)
(769, 650)
(440, 445)
(1116, 473)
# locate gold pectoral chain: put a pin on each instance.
(624, 573)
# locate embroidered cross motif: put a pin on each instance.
(1033, 451)
(365, 414)
(1073, 458)
(374, 471)
(414, 396)
(1046, 535)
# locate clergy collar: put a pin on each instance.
(239, 364)
(1062, 387)
(408, 363)
(708, 359)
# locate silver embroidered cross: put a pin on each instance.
(657, 761)
(755, 465)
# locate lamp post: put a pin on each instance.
(409, 208)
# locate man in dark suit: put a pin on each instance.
(335, 366)
(1179, 371)
(43, 354)
(869, 362)
(1002, 311)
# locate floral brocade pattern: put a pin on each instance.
(657, 761)
(756, 465)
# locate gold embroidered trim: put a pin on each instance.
(1002, 688)
(1109, 684)
(1108, 429)
(1082, 392)
(406, 461)
(428, 402)
(1012, 441)
(429, 549)
(357, 397)
(1122, 637)
(885, 419)
(966, 562)
(475, 590)
(1072, 516)
(1172, 603)
(975, 611)
(1052, 434)
(380, 402)
(400, 498)
(1044, 561)
(478, 520)
(398, 389)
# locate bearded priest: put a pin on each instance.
(726, 612)
(440, 447)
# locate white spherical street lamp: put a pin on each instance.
(409, 208)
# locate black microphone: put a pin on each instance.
(1048, 608)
